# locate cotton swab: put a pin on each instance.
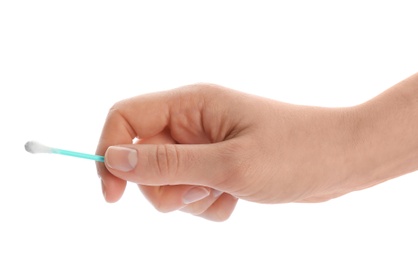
(35, 147)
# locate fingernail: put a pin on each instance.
(195, 194)
(121, 158)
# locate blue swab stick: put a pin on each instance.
(35, 147)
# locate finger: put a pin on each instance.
(217, 206)
(171, 198)
(112, 186)
(118, 130)
(171, 164)
(187, 198)
(163, 137)
(200, 206)
(145, 116)
(221, 209)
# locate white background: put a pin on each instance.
(64, 63)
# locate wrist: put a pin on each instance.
(384, 131)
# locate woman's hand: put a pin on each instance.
(200, 148)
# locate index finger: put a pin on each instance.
(138, 117)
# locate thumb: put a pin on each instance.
(170, 164)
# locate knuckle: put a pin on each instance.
(202, 86)
(166, 161)
(202, 89)
(115, 108)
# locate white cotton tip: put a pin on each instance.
(35, 147)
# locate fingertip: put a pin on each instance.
(221, 210)
(112, 188)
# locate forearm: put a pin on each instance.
(386, 134)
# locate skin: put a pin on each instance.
(202, 147)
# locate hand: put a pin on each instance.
(202, 147)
